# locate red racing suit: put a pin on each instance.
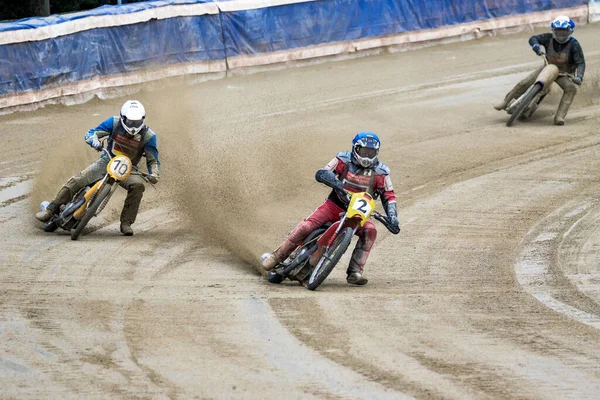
(376, 181)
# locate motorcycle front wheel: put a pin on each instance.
(330, 258)
(50, 226)
(528, 97)
(76, 232)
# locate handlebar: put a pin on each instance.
(135, 171)
(565, 74)
(395, 229)
(570, 76)
(144, 176)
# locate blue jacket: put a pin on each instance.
(120, 142)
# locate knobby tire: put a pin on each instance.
(529, 95)
(76, 232)
(337, 250)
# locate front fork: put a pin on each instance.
(107, 198)
(329, 237)
(90, 196)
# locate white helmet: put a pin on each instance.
(133, 115)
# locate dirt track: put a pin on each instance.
(492, 290)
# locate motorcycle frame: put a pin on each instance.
(327, 239)
(547, 76)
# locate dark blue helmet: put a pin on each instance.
(365, 148)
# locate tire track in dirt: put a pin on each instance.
(490, 381)
(539, 267)
(443, 315)
(484, 377)
(577, 253)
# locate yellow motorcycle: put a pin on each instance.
(90, 201)
(315, 258)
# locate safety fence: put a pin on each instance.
(58, 56)
(594, 11)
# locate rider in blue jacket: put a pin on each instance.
(128, 135)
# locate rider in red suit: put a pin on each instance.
(355, 171)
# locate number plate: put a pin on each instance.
(362, 206)
(120, 167)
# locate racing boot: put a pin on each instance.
(355, 276)
(62, 197)
(269, 261)
(126, 229)
(518, 90)
(45, 215)
(563, 108)
(502, 105)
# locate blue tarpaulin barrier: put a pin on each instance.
(594, 10)
(38, 22)
(305, 24)
(42, 53)
(106, 51)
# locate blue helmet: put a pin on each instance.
(365, 148)
(562, 28)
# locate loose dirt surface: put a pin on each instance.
(492, 289)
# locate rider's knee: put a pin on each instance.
(572, 89)
(368, 235)
(371, 235)
(76, 182)
(569, 87)
(371, 229)
(137, 188)
(310, 224)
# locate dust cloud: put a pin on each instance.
(238, 183)
(234, 184)
(65, 158)
(589, 92)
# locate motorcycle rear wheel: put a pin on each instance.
(77, 231)
(332, 256)
(50, 226)
(528, 97)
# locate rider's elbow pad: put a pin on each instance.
(328, 178)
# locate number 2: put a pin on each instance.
(362, 206)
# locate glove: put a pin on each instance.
(344, 196)
(95, 143)
(577, 80)
(392, 214)
(153, 179)
(539, 50)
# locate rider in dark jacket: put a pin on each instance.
(561, 50)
